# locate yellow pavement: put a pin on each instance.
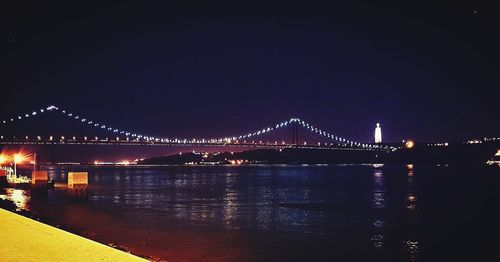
(24, 239)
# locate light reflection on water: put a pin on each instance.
(412, 245)
(411, 197)
(240, 199)
(412, 250)
(20, 197)
(378, 203)
(378, 189)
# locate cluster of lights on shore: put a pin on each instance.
(15, 158)
(231, 139)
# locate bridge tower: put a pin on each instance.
(295, 135)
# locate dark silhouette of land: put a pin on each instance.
(453, 153)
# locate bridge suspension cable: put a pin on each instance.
(229, 139)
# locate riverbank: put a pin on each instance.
(25, 239)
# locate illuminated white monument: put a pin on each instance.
(378, 134)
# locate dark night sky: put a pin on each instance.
(427, 72)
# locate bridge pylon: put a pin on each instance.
(295, 134)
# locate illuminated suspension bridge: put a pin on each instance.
(127, 137)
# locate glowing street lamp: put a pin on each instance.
(17, 159)
(3, 159)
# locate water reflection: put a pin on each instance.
(411, 202)
(378, 189)
(378, 202)
(231, 200)
(19, 197)
(378, 240)
(411, 198)
(411, 248)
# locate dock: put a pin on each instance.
(24, 239)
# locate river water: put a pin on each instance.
(283, 213)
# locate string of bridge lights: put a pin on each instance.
(231, 139)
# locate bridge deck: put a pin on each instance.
(263, 145)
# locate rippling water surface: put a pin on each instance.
(284, 213)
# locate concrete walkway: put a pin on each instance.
(24, 239)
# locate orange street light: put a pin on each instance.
(409, 144)
(18, 158)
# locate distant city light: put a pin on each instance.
(409, 144)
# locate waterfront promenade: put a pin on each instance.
(24, 239)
